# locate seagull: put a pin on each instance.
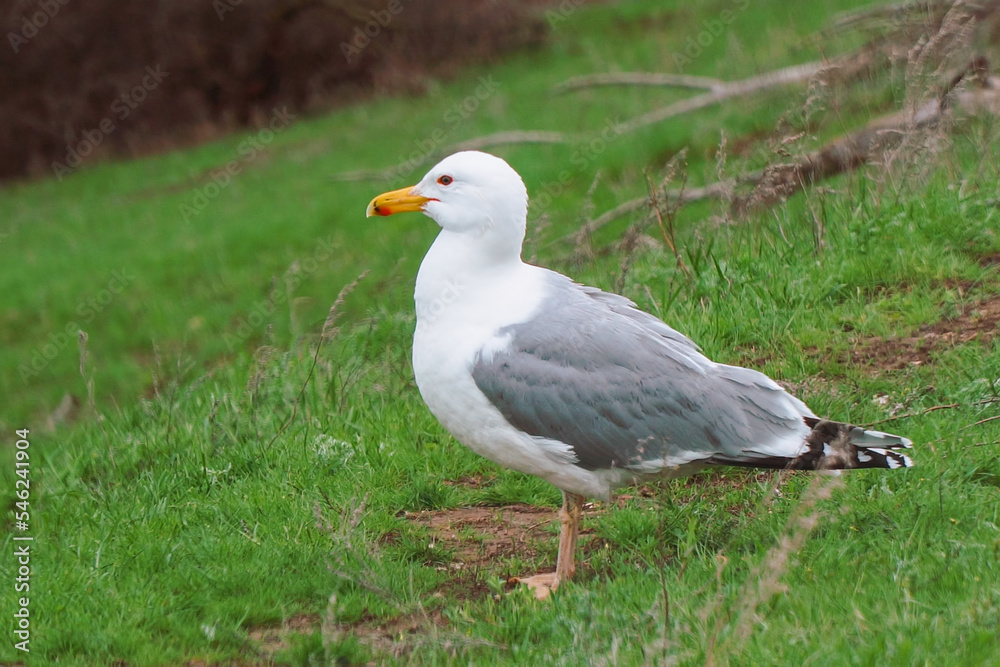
(576, 385)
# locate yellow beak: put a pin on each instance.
(397, 201)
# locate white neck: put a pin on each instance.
(459, 263)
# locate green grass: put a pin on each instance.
(191, 280)
(231, 478)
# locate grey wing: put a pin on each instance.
(627, 308)
(622, 389)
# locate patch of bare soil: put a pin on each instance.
(472, 482)
(978, 322)
(992, 259)
(478, 536)
(394, 636)
(275, 638)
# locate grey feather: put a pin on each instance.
(623, 389)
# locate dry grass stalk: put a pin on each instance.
(881, 15)
(329, 331)
(906, 139)
(261, 358)
(352, 559)
(796, 74)
(639, 79)
(926, 126)
(89, 380)
(661, 210)
(764, 581)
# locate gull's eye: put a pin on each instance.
(445, 180)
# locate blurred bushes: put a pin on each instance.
(80, 80)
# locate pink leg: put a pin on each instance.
(543, 584)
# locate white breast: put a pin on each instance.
(459, 315)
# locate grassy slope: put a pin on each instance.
(191, 280)
(172, 526)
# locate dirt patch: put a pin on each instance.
(992, 259)
(977, 322)
(275, 638)
(479, 536)
(394, 636)
(472, 482)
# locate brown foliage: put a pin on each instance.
(224, 63)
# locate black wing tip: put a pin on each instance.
(833, 446)
(837, 446)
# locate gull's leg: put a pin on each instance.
(570, 514)
(543, 584)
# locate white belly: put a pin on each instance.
(447, 341)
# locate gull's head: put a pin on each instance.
(465, 192)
